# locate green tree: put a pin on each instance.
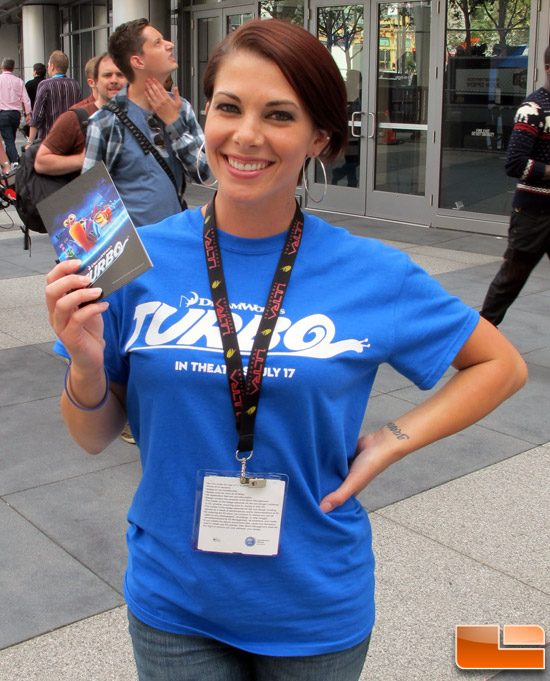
(467, 9)
(508, 18)
(341, 27)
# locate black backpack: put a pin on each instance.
(31, 187)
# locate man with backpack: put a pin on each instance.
(47, 166)
(63, 149)
(151, 139)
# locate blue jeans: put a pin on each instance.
(9, 122)
(162, 656)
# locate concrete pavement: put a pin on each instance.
(460, 528)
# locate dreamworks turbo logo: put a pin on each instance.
(194, 325)
(98, 267)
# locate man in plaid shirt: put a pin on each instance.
(149, 194)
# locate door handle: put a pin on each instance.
(354, 121)
(372, 116)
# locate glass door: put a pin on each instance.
(235, 17)
(383, 52)
(209, 28)
(343, 29)
(400, 145)
(207, 33)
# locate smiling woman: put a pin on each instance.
(250, 554)
(266, 114)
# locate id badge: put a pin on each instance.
(232, 517)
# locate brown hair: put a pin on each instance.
(97, 63)
(89, 68)
(304, 62)
(59, 61)
(126, 41)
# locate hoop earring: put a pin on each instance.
(304, 179)
(204, 184)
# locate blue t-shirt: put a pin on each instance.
(148, 193)
(352, 304)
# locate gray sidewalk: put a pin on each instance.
(460, 528)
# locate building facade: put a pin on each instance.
(433, 86)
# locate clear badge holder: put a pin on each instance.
(239, 513)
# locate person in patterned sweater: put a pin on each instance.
(528, 158)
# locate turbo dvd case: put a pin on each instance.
(86, 219)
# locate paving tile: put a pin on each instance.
(435, 265)
(39, 259)
(536, 303)
(498, 516)
(86, 516)
(540, 357)
(41, 244)
(96, 649)
(22, 291)
(36, 449)
(7, 341)
(9, 224)
(9, 270)
(387, 230)
(424, 589)
(525, 329)
(29, 374)
(388, 380)
(28, 324)
(523, 416)
(431, 466)
(41, 586)
(47, 348)
(463, 257)
(478, 243)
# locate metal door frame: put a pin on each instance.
(212, 12)
(340, 198)
(392, 205)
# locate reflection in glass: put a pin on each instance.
(208, 36)
(76, 65)
(401, 161)
(86, 16)
(485, 82)
(341, 30)
(289, 10)
(233, 21)
(402, 97)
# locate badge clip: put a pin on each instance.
(245, 480)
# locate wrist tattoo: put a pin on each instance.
(399, 434)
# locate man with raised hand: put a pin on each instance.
(167, 121)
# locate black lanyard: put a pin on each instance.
(245, 394)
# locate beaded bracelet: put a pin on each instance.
(79, 406)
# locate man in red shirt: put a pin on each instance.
(63, 149)
(89, 72)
